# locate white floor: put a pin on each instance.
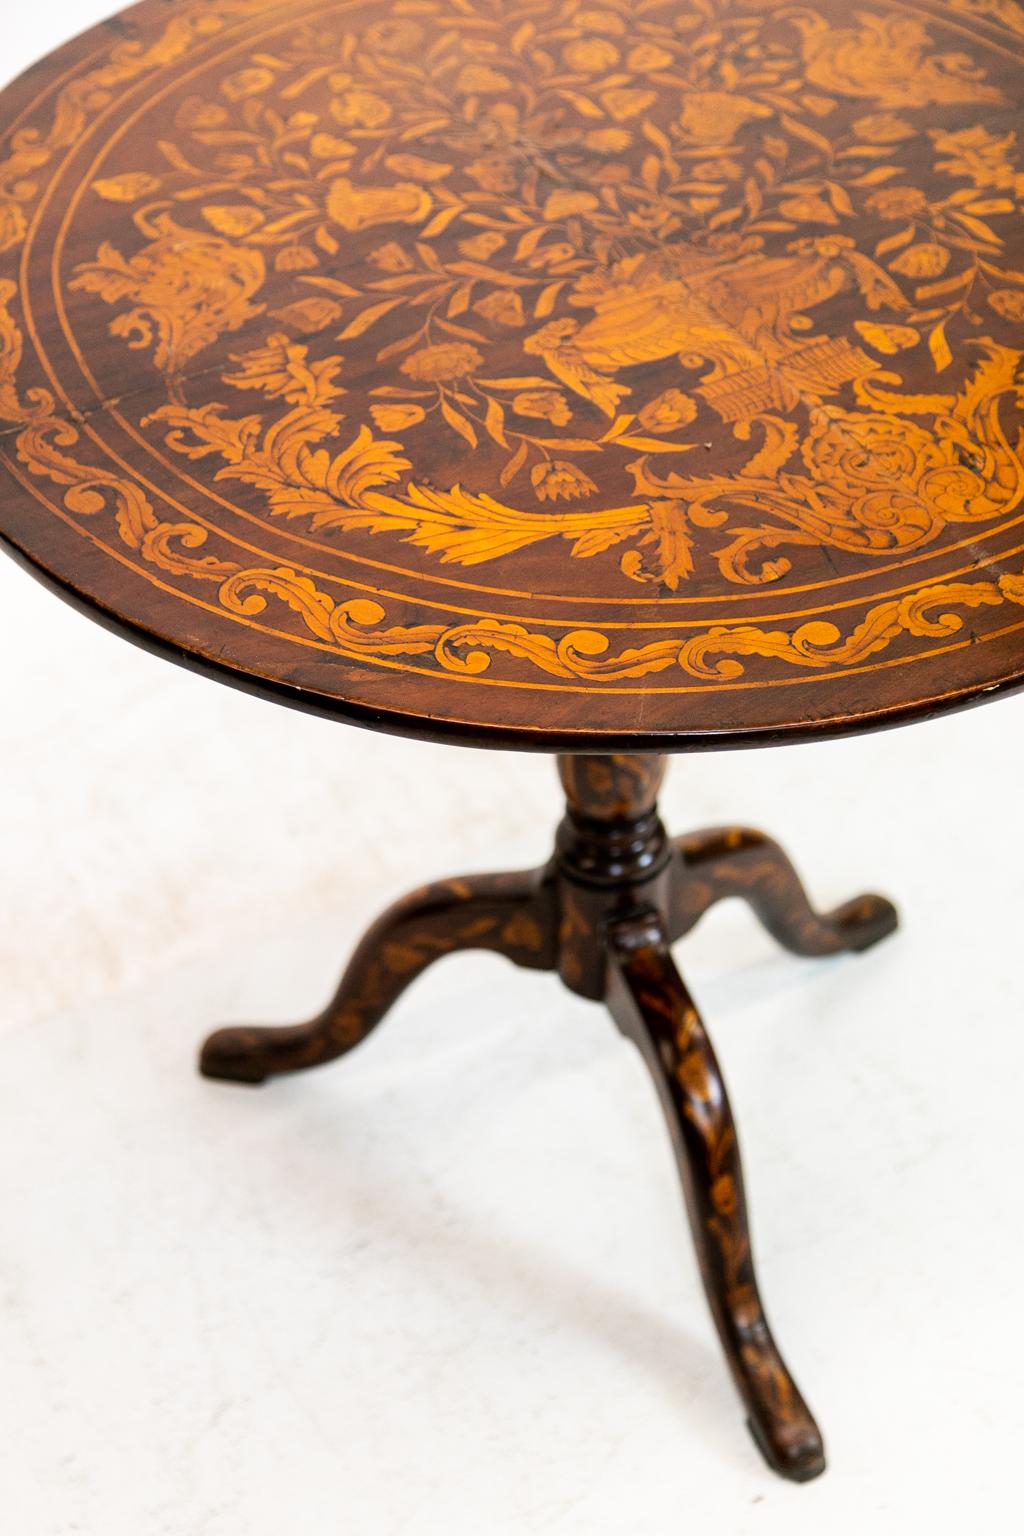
(446, 1285)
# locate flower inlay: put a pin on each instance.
(684, 302)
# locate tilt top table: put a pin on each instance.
(610, 379)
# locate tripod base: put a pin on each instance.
(603, 914)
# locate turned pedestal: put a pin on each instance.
(603, 913)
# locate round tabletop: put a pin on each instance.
(613, 375)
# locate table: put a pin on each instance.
(611, 381)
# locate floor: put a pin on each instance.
(446, 1286)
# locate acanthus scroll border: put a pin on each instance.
(45, 444)
(45, 441)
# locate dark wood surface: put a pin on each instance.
(603, 913)
(639, 375)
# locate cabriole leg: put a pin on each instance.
(505, 913)
(737, 861)
(651, 1005)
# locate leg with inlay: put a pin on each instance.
(737, 861)
(510, 914)
(652, 1007)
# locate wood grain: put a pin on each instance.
(652, 377)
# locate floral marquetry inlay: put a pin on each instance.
(653, 344)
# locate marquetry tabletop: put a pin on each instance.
(549, 375)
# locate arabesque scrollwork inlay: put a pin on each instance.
(571, 253)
